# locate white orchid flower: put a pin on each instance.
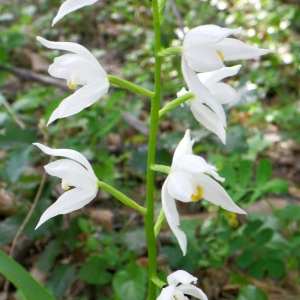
(177, 292)
(75, 171)
(206, 47)
(222, 94)
(78, 68)
(69, 6)
(188, 183)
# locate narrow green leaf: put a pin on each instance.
(276, 186)
(245, 172)
(15, 273)
(264, 171)
(161, 168)
(251, 292)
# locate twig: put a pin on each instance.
(13, 114)
(177, 15)
(17, 236)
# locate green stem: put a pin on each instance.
(121, 197)
(175, 103)
(154, 118)
(159, 222)
(129, 86)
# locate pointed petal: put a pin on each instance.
(215, 175)
(214, 193)
(69, 6)
(72, 172)
(179, 186)
(75, 48)
(72, 154)
(209, 78)
(223, 92)
(207, 34)
(84, 97)
(181, 276)
(202, 58)
(234, 49)
(202, 92)
(69, 201)
(208, 119)
(169, 207)
(192, 164)
(184, 146)
(192, 290)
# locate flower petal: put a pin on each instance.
(208, 34)
(209, 78)
(69, 6)
(72, 154)
(208, 119)
(75, 48)
(167, 293)
(192, 290)
(223, 93)
(181, 276)
(84, 97)
(72, 172)
(69, 201)
(192, 163)
(201, 91)
(234, 49)
(179, 186)
(169, 207)
(214, 193)
(184, 146)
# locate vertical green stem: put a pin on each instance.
(154, 117)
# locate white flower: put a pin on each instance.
(222, 94)
(175, 291)
(206, 48)
(74, 171)
(81, 68)
(188, 183)
(69, 6)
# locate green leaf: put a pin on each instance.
(245, 172)
(263, 236)
(253, 227)
(256, 270)
(161, 168)
(263, 172)
(130, 283)
(47, 259)
(15, 273)
(245, 259)
(94, 271)
(61, 278)
(275, 267)
(275, 186)
(229, 174)
(251, 292)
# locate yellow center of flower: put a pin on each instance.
(198, 195)
(72, 85)
(65, 186)
(221, 54)
(175, 298)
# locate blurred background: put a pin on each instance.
(100, 251)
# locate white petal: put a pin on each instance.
(192, 290)
(169, 207)
(234, 49)
(72, 172)
(69, 201)
(192, 163)
(223, 92)
(202, 58)
(215, 175)
(207, 34)
(167, 293)
(184, 146)
(69, 6)
(72, 154)
(202, 92)
(181, 276)
(209, 78)
(75, 48)
(84, 97)
(214, 193)
(208, 119)
(179, 186)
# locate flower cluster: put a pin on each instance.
(191, 178)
